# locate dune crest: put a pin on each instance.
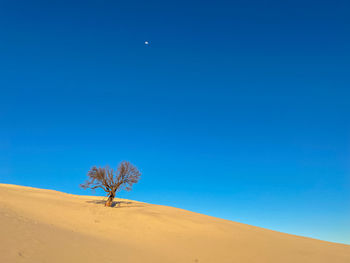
(39, 225)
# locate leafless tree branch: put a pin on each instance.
(112, 181)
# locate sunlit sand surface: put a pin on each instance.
(39, 225)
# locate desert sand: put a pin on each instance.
(39, 225)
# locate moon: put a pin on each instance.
(146, 43)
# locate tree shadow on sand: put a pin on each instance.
(117, 204)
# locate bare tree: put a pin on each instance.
(112, 181)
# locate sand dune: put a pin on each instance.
(48, 226)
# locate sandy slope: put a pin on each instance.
(47, 226)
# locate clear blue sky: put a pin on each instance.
(236, 109)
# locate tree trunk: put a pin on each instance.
(109, 200)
